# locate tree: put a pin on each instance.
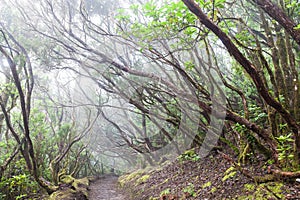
(279, 15)
(287, 112)
(114, 77)
(27, 128)
(165, 76)
(25, 145)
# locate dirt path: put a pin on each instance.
(105, 188)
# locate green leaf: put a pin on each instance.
(219, 3)
(291, 156)
(297, 27)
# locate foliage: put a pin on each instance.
(262, 191)
(18, 187)
(190, 189)
(262, 98)
(189, 155)
(285, 149)
(164, 21)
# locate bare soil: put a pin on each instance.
(105, 188)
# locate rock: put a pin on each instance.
(74, 189)
(81, 185)
(68, 194)
(67, 179)
(298, 180)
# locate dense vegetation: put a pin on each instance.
(88, 87)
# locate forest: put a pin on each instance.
(136, 87)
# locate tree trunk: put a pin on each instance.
(276, 13)
(251, 70)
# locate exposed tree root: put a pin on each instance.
(273, 174)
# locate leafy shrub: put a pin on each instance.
(17, 187)
(285, 149)
(189, 155)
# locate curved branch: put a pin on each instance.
(248, 66)
(277, 14)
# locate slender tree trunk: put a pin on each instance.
(278, 14)
(251, 70)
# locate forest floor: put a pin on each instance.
(210, 178)
(105, 188)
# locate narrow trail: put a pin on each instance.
(105, 188)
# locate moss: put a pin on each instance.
(143, 179)
(165, 181)
(230, 169)
(248, 197)
(134, 175)
(208, 184)
(198, 191)
(79, 190)
(190, 190)
(81, 185)
(270, 190)
(67, 194)
(53, 187)
(190, 152)
(230, 144)
(265, 178)
(273, 188)
(159, 184)
(78, 183)
(230, 175)
(61, 194)
(214, 189)
(165, 192)
(249, 187)
(67, 179)
(130, 177)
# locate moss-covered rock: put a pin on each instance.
(81, 185)
(67, 194)
(74, 189)
(67, 179)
